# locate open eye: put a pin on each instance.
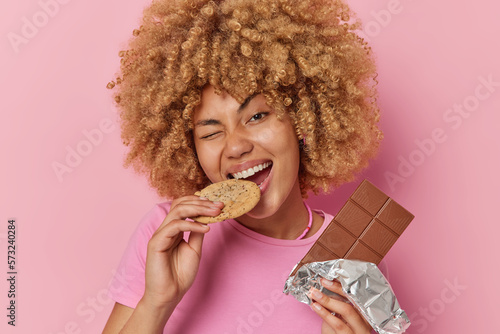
(258, 116)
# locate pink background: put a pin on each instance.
(72, 229)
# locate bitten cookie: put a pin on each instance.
(238, 196)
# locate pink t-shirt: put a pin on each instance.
(238, 289)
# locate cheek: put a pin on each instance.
(206, 159)
(277, 133)
(265, 136)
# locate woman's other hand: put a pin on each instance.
(338, 317)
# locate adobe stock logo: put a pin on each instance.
(30, 26)
(453, 119)
(75, 156)
(437, 306)
(381, 19)
(88, 310)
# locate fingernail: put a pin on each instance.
(316, 306)
(316, 294)
(203, 198)
(218, 203)
(326, 282)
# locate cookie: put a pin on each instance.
(238, 196)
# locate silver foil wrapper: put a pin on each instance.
(364, 285)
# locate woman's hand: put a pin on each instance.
(172, 263)
(346, 320)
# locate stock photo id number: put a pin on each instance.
(11, 272)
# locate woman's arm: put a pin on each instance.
(142, 319)
(118, 318)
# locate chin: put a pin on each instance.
(262, 211)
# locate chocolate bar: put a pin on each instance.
(365, 228)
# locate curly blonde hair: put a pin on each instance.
(303, 56)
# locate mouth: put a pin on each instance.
(257, 174)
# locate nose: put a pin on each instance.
(237, 145)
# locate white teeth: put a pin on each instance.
(250, 171)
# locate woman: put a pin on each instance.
(278, 92)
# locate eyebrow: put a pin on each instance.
(246, 102)
(212, 121)
(209, 121)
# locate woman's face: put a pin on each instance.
(247, 141)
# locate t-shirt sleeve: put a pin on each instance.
(127, 285)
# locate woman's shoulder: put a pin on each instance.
(153, 219)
